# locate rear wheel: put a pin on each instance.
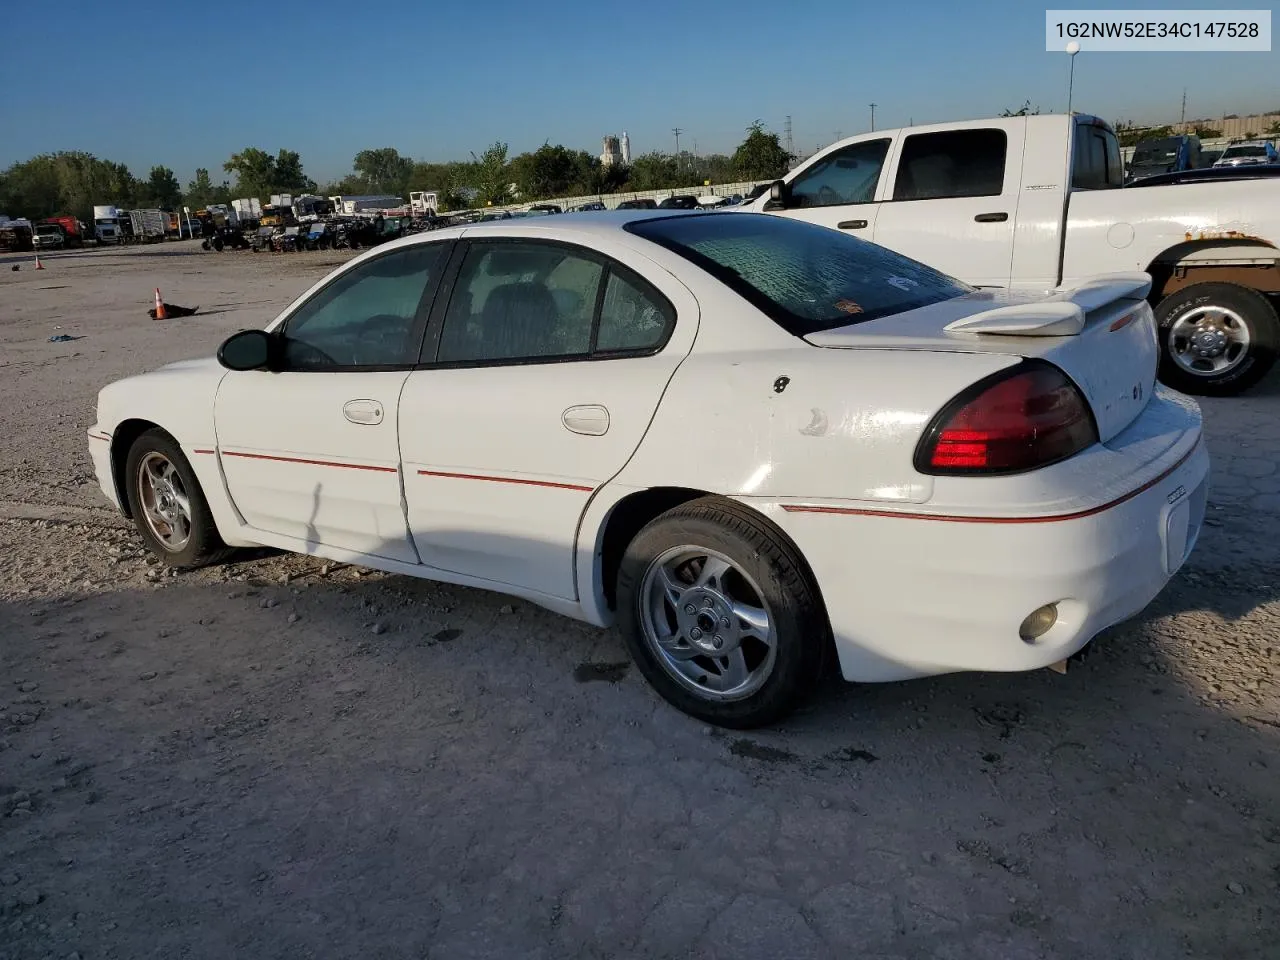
(168, 506)
(721, 615)
(1217, 339)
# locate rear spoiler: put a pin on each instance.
(1061, 314)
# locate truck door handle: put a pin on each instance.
(991, 217)
(363, 411)
(852, 224)
(590, 419)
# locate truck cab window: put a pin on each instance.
(1095, 160)
(952, 163)
(848, 175)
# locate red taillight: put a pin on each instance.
(1030, 417)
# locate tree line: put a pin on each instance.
(72, 182)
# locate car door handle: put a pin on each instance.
(852, 224)
(991, 217)
(363, 411)
(589, 419)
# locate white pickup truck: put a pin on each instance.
(1035, 202)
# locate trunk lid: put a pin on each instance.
(1101, 333)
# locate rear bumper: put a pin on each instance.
(912, 595)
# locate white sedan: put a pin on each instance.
(750, 441)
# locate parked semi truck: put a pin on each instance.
(1039, 201)
(106, 223)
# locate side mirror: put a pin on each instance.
(247, 350)
(779, 195)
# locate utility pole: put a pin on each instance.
(873, 116)
(791, 147)
(1184, 106)
(839, 136)
(677, 131)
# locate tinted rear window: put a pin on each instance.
(807, 278)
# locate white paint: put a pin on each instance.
(907, 595)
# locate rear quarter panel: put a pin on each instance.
(802, 422)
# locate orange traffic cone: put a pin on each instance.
(160, 314)
(39, 265)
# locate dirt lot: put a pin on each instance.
(279, 758)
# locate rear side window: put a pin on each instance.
(805, 277)
(953, 163)
(1095, 159)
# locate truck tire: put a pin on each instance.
(1216, 339)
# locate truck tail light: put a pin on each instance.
(1017, 420)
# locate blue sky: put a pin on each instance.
(133, 80)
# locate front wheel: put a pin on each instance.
(721, 614)
(168, 506)
(1217, 339)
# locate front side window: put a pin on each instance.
(367, 316)
(952, 163)
(846, 176)
(523, 301)
(805, 277)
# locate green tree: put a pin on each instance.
(493, 179)
(288, 176)
(200, 190)
(549, 171)
(654, 171)
(760, 156)
(255, 172)
(384, 170)
(1026, 110)
(66, 183)
(1250, 135)
(163, 190)
(1209, 133)
(1271, 130)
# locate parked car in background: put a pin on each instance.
(546, 208)
(16, 237)
(589, 207)
(680, 202)
(494, 215)
(1032, 203)
(927, 477)
(1248, 153)
(1164, 155)
(640, 203)
(49, 236)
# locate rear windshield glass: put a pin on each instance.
(1245, 152)
(807, 278)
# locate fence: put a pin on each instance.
(611, 200)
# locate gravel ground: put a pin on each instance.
(287, 758)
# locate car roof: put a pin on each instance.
(599, 224)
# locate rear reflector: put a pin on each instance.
(1018, 420)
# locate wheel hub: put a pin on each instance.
(706, 619)
(1209, 342)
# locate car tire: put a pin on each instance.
(156, 452)
(766, 572)
(1227, 310)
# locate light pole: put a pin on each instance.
(1072, 49)
(873, 117)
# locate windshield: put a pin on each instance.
(1156, 151)
(1250, 151)
(807, 278)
